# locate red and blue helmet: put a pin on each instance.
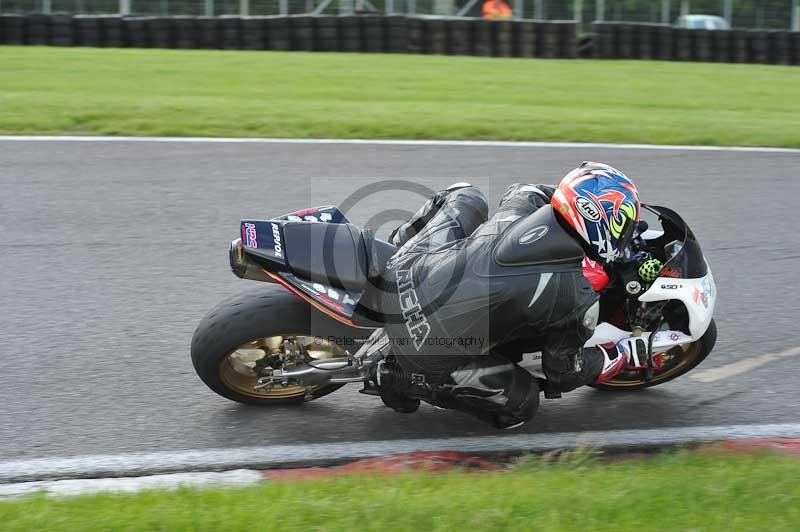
(602, 205)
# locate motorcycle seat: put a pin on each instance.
(338, 255)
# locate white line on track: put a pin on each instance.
(277, 456)
(741, 366)
(451, 143)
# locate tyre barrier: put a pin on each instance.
(37, 29)
(373, 33)
(616, 40)
(161, 34)
(402, 34)
(301, 33)
(254, 33)
(61, 31)
(209, 33)
(396, 34)
(136, 31)
(230, 32)
(12, 29)
(349, 34)
(183, 32)
(326, 33)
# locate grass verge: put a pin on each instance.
(677, 491)
(227, 93)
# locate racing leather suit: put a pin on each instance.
(465, 296)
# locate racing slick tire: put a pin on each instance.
(249, 321)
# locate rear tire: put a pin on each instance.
(264, 312)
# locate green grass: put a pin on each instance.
(213, 93)
(683, 491)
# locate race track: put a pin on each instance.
(112, 252)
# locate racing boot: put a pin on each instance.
(393, 386)
(494, 390)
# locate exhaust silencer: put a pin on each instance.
(244, 266)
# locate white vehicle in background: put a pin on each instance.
(702, 22)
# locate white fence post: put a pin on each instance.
(538, 10)
(519, 9)
(795, 15)
(578, 16)
(209, 8)
(727, 12)
(124, 8)
(665, 11)
(283, 7)
(685, 7)
(600, 11)
(47, 7)
(244, 8)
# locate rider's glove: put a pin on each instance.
(628, 354)
(635, 348)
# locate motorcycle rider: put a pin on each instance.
(462, 293)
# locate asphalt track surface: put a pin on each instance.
(112, 252)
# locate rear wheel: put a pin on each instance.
(248, 332)
(675, 362)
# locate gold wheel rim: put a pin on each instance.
(688, 354)
(237, 369)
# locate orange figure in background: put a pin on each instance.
(496, 9)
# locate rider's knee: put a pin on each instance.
(469, 201)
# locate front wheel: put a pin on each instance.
(242, 335)
(678, 361)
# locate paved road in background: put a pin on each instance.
(112, 252)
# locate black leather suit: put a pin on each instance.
(469, 295)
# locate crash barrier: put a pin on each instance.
(360, 33)
(402, 34)
(613, 40)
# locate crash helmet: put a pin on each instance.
(601, 205)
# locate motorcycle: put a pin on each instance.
(308, 332)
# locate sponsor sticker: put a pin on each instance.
(276, 239)
(703, 294)
(416, 323)
(666, 271)
(588, 209)
(533, 235)
(251, 240)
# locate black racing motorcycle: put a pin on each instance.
(306, 333)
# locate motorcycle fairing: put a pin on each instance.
(685, 276)
(606, 333)
(698, 295)
(342, 301)
(328, 213)
(264, 239)
(267, 237)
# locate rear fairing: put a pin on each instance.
(260, 254)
